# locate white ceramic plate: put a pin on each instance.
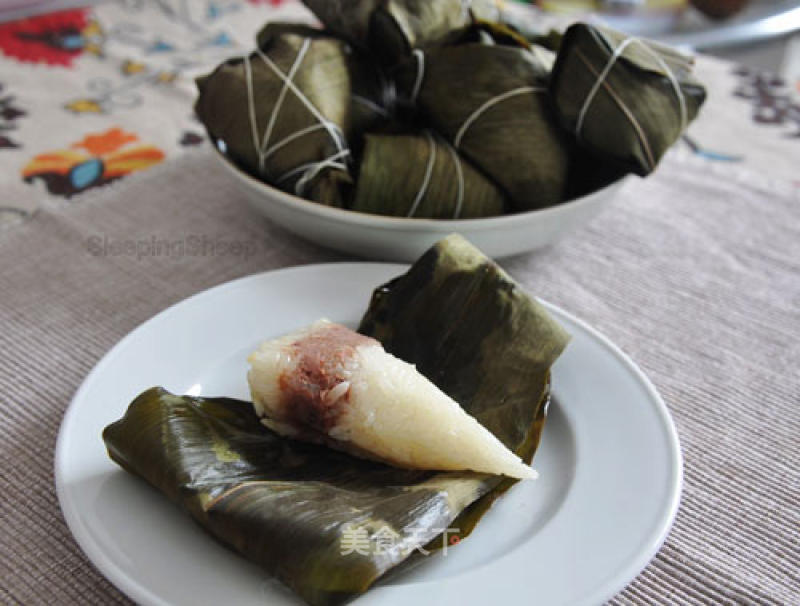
(609, 463)
(404, 239)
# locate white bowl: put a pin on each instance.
(404, 239)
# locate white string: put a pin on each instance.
(428, 172)
(281, 96)
(420, 57)
(311, 169)
(262, 154)
(460, 174)
(312, 172)
(370, 104)
(311, 165)
(333, 129)
(490, 103)
(251, 104)
(607, 69)
(296, 135)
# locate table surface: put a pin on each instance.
(695, 272)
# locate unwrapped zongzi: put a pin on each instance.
(330, 385)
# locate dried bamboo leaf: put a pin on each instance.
(492, 104)
(283, 133)
(392, 28)
(628, 105)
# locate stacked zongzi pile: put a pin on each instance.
(431, 109)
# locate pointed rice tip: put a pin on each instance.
(528, 474)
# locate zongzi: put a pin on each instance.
(624, 98)
(392, 28)
(330, 385)
(491, 102)
(284, 111)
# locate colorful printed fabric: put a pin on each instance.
(68, 171)
(90, 95)
(55, 38)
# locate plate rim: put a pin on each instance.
(141, 593)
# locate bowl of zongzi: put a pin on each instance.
(394, 124)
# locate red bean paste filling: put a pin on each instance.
(320, 356)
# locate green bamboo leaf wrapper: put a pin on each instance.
(487, 32)
(421, 175)
(635, 116)
(368, 84)
(323, 77)
(286, 505)
(491, 102)
(473, 331)
(393, 27)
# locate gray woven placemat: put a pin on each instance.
(695, 272)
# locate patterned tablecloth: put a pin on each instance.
(695, 272)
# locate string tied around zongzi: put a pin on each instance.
(424, 186)
(308, 170)
(470, 120)
(601, 78)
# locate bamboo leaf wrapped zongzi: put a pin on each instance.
(491, 102)
(421, 175)
(290, 506)
(624, 98)
(370, 90)
(285, 111)
(392, 28)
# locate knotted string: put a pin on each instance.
(607, 70)
(491, 103)
(281, 96)
(310, 170)
(333, 129)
